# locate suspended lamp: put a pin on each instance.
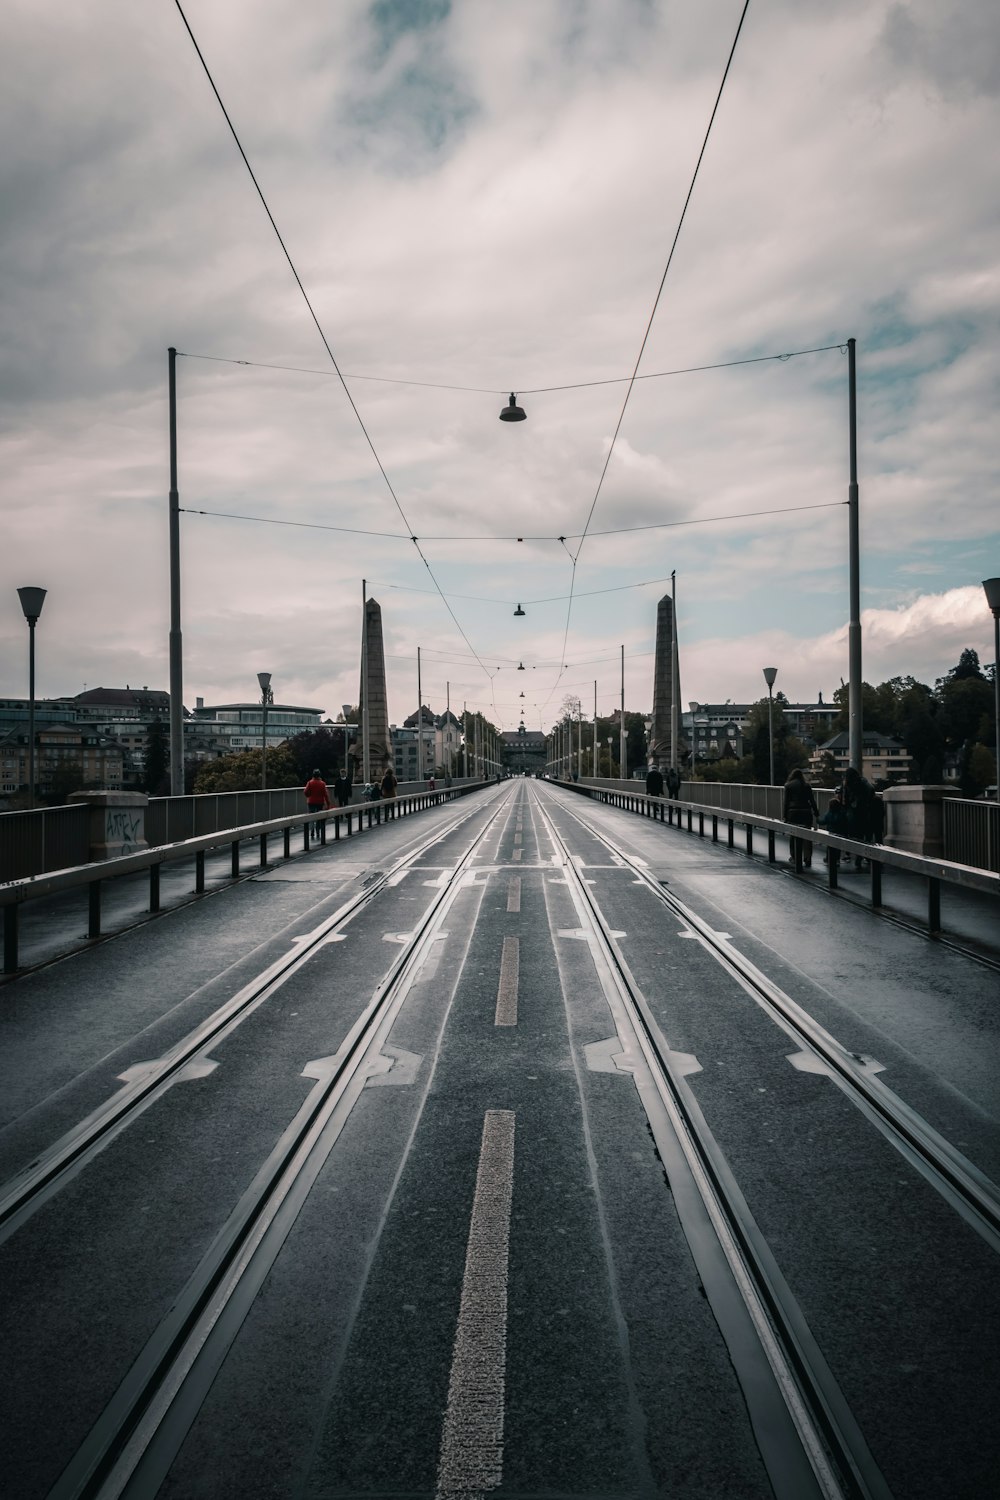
(518, 611)
(512, 412)
(520, 666)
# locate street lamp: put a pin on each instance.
(649, 730)
(991, 587)
(266, 697)
(770, 673)
(32, 600)
(610, 742)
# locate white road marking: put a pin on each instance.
(394, 1067)
(510, 960)
(514, 893)
(471, 1457)
(516, 854)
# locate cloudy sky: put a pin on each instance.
(480, 200)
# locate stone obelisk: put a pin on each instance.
(662, 746)
(372, 701)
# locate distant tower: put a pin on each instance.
(373, 695)
(663, 737)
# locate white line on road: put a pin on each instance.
(471, 1459)
(510, 959)
(514, 893)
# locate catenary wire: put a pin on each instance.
(319, 326)
(652, 315)
(538, 390)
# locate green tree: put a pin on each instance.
(241, 771)
(155, 780)
(322, 748)
(982, 770)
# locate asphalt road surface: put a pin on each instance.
(521, 1148)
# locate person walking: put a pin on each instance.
(673, 783)
(798, 805)
(654, 781)
(388, 784)
(317, 798)
(342, 788)
(863, 809)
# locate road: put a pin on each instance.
(521, 1148)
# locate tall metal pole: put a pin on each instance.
(421, 768)
(366, 749)
(991, 587)
(266, 696)
(593, 769)
(675, 675)
(31, 713)
(855, 725)
(622, 766)
(32, 599)
(770, 673)
(176, 652)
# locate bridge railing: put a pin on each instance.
(343, 822)
(698, 815)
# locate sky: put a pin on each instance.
(478, 202)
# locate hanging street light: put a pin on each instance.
(520, 666)
(518, 611)
(32, 600)
(512, 412)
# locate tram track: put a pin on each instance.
(968, 1190)
(42, 1178)
(132, 1445)
(809, 1438)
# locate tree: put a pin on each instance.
(241, 771)
(325, 749)
(982, 770)
(155, 781)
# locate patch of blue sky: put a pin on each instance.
(392, 19)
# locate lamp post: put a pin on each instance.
(649, 730)
(266, 697)
(770, 673)
(991, 587)
(32, 600)
(610, 742)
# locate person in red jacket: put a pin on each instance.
(317, 797)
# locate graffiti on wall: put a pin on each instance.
(123, 826)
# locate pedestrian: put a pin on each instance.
(654, 781)
(863, 808)
(342, 787)
(431, 784)
(673, 783)
(798, 806)
(317, 798)
(387, 786)
(835, 821)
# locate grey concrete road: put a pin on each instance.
(491, 1285)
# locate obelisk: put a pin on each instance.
(373, 696)
(661, 747)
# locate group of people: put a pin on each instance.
(317, 793)
(855, 812)
(655, 782)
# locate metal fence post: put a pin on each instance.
(10, 915)
(933, 904)
(199, 872)
(235, 851)
(263, 851)
(94, 909)
(154, 887)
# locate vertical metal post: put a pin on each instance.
(176, 654)
(199, 871)
(855, 725)
(622, 764)
(234, 852)
(31, 713)
(154, 887)
(94, 909)
(10, 917)
(594, 767)
(421, 769)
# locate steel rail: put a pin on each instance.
(959, 1181)
(37, 1183)
(833, 1460)
(134, 1441)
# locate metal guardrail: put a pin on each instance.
(935, 871)
(972, 832)
(344, 821)
(46, 838)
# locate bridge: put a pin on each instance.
(520, 1138)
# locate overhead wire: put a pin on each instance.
(652, 315)
(318, 325)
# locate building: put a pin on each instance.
(447, 742)
(716, 731)
(68, 758)
(882, 757)
(524, 751)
